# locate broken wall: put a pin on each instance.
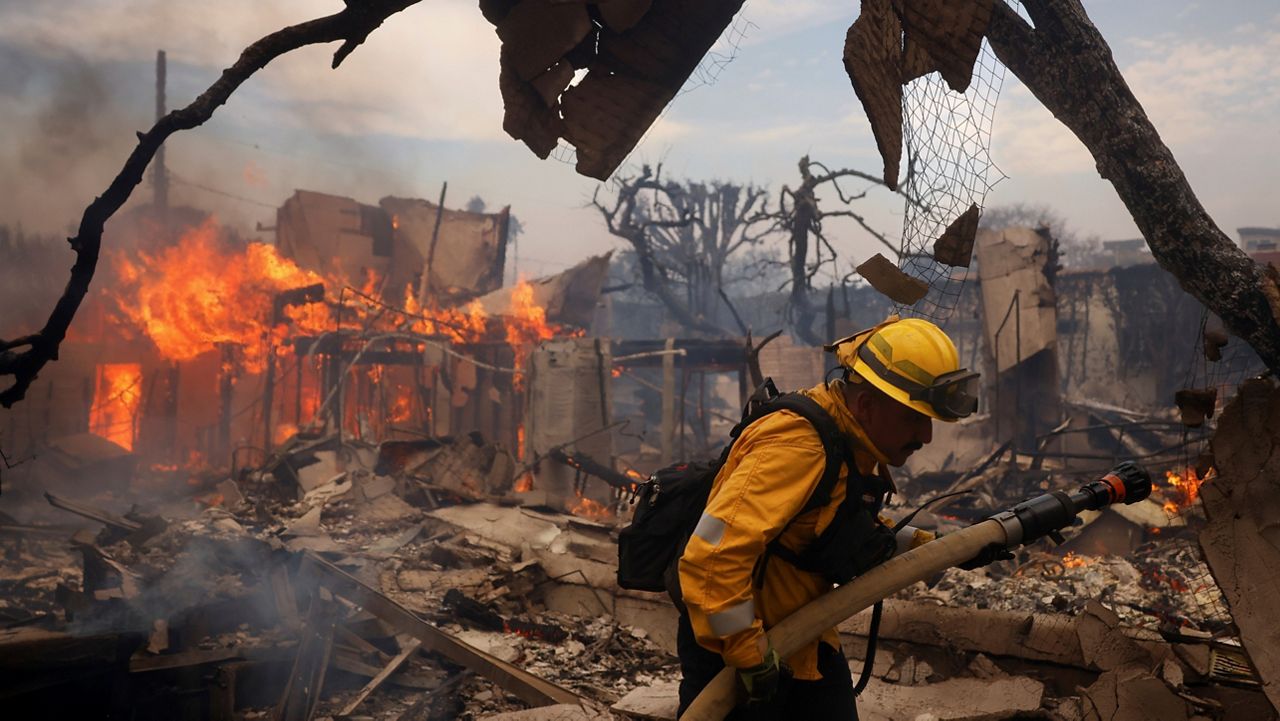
(464, 258)
(568, 408)
(1127, 336)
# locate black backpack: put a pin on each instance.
(669, 504)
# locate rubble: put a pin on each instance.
(423, 569)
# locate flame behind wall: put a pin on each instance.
(116, 399)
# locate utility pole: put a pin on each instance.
(160, 175)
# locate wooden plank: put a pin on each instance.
(395, 663)
(529, 688)
(282, 592)
(301, 695)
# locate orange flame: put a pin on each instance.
(401, 407)
(283, 432)
(1071, 560)
(1182, 490)
(524, 483)
(526, 321)
(587, 508)
(194, 295)
(459, 325)
(116, 398)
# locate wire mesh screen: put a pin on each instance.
(949, 167)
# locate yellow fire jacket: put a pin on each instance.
(772, 470)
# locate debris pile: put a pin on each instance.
(316, 586)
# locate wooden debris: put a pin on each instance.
(873, 60)
(529, 688)
(948, 32)
(636, 62)
(953, 699)
(1196, 405)
(392, 666)
(955, 246)
(1214, 341)
(885, 277)
(306, 680)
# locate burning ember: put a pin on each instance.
(1182, 491)
(587, 508)
(524, 483)
(1071, 560)
(116, 398)
(526, 320)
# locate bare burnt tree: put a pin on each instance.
(684, 235)
(351, 25)
(800, 216)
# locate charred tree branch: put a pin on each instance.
(352, 26)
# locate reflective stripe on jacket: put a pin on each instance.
(772, 470)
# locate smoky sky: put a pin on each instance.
(63, 128)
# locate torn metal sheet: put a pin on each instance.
(955, 246)
(873, 60)
(887, 278)
(1241, 542)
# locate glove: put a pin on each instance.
(763, 680)
(988, 555)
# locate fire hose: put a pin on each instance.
(1044, 515)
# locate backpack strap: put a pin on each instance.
(837, 455)
(833, 443)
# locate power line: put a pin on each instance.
(223, 193)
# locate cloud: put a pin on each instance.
(772, 18)
(1202, 97)
(1194, 90)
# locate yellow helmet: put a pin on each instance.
(915, 363)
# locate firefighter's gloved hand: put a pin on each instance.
(763, 680)
(988, 555)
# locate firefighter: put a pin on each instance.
(898, 377)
